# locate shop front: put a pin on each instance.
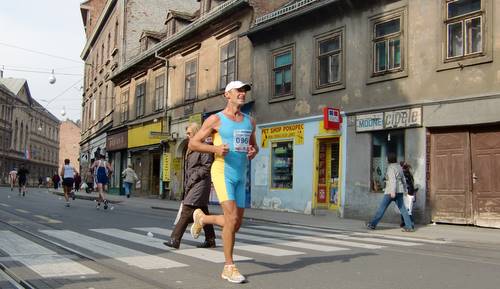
(372, 136)
(145, 155)
(116, 147)
(299, 166)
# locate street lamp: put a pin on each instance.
(52, 78)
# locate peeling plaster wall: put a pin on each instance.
(449, 95)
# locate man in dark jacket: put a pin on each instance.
(196, 194)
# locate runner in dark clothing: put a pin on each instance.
(23, 179)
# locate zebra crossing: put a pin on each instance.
(139, 249)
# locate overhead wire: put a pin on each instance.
(40, 52)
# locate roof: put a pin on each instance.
(13, 84)
(181, 15)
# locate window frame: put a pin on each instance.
(485, 56)
(124, 106)
(402, 71)
(386, 39)
(272, 69)
(223, 61)
(159, 91)
(140, 94)
(194, 74)
(340, 84)
(462, 19)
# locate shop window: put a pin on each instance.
(383, 143)
(282, 165)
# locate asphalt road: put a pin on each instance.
(44, 244)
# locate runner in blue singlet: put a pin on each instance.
(234, 145)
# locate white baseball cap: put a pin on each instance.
(237, 84)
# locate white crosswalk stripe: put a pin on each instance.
(39, 259)
(264, 250)
(343, 237)
(308, 237)
(120, 253)
(188, 250)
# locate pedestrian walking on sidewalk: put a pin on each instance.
(395, 188)
(103, 171)
(12, 178)
(68, 176)
(78, 181)
(55, 181)
(410, 197)
(89, 181)
(22, 176)
(234, 144)
(129, 179)
(196, 193)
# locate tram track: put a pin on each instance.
(113, 268)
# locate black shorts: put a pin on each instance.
(68, 182)
(22, 181)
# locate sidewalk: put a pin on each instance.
(328, 221)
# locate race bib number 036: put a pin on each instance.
(241, 139)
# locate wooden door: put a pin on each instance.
(450, 185)
(485, 155)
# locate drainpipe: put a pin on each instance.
(166, 123)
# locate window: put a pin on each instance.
(190, 89)
(227, 64)
(383, 143)
(115, 40)
(282, 165)
(109, 45)
(159, 91)
(105, 99)
(102, 53)
(329, 60)
(387, 44)
(124, 106)
(94, 109)
(282, 73)
(140, 91)
(463, 28)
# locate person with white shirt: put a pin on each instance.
(67, 173)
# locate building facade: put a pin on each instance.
(415, 78)
(69, 139)
(30, 133)
(199, 53)
(114, 31)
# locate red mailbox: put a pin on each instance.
(331, 118)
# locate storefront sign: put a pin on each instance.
(331, 118)
(284, 131)
(368, 122)
(389, 119)
(403, 118)
(176, 164)
(117, 141)
(166, 167)
(140, 135)
(195, 118)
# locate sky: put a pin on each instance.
(52, 27)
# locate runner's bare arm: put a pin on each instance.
(253, 148)
(196, 143)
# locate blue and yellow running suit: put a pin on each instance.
(229, 172)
